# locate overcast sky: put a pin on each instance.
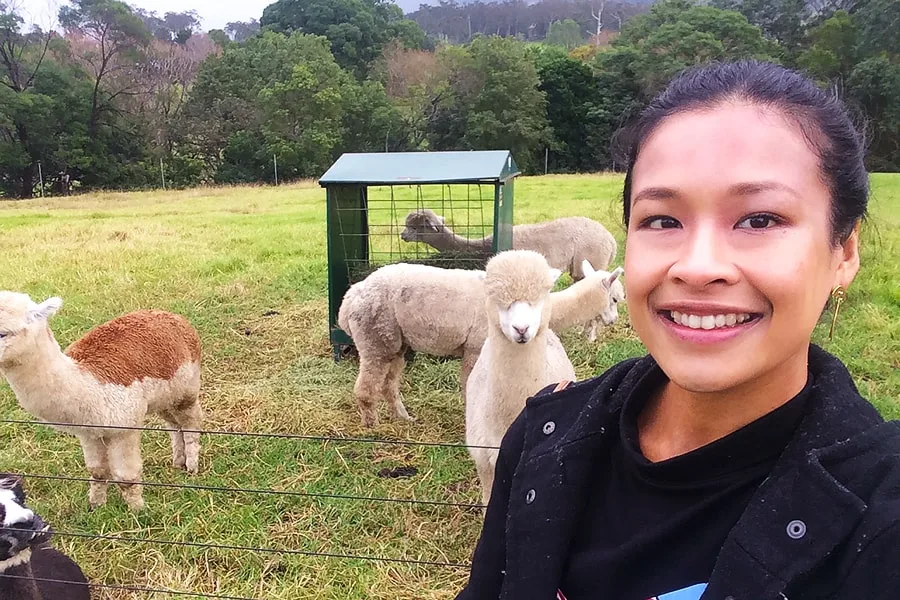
(214, 14)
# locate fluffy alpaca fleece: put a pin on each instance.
(520, 356)
(400, 306)
(564, 242)
(577, 304)
(26, 559)
(440, 312)
(143, 362)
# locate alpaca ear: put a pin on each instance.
(587, 268)
(554, 275)
(44, 310)
(613, 276)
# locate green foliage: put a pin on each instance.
(833, 52)
(494, 101)
(676, 34)
(357, 29)
(875, 86)
(566, 33)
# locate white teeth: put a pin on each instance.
(709, 321)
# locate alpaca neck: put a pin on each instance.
(44, 379)
(518, 370)
(451, 241)
(16, 580)
(577, 304)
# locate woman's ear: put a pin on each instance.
(848, 266)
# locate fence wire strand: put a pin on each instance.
(211, 488)
(127, 588)
(260, 550)
(285, 436)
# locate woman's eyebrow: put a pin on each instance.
(756, 187)
(655, 193)
(748, 188)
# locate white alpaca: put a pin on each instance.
(564, 242)
(520, 356)
(143, 362)
(441, 312)
(27, 562)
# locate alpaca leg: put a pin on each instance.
(94, 450)
(369, 385)
(177, 437)
(189, 417)
(391, 389)
(125, 463)
(484, 464)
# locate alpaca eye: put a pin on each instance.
(3, 335)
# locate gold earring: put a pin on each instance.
(837, 296)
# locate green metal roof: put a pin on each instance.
(382, 168)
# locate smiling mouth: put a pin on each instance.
(720, 321)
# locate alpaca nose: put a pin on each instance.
(520, 329)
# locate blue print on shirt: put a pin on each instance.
(689, 593)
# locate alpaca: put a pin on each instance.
(564, 242)
(520, 356)
(571, 305)
(142, 362)
(27, 563)
(388, 313)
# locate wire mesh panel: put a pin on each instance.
(399, 221)
(446, 209)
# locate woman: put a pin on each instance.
(736, 461)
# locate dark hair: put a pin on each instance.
(821, 116)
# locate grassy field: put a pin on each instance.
(247, 267)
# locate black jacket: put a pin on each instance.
(824, 524)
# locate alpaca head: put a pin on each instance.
(517, 288)
(614, 288)
(422, 225)
(21, 322)
(21, 528)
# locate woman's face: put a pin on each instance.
(729, 258)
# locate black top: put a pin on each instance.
(824, 523)
(655, 528)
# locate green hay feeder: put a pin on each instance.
(368, 196)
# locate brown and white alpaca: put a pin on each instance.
(142, 362)
(520, 356)
(29, 568)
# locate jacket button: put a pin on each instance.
(549, 427)
(529, 497)
(796, 529)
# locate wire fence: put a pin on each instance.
(432, 503)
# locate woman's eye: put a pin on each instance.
(661, 223)
(758, 222)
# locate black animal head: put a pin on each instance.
(20, 528)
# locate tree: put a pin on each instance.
(874, 84)
(495, 101)
(239, 31)
(833, 52)
(565, 33)
(676, 34)
(109, 40)
(357, 29)
(285, 95)
(21, 59)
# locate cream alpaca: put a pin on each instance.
(565, 242)
(440, 312)
(142, 362)
(520, 356)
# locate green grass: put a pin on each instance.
(226, 258)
